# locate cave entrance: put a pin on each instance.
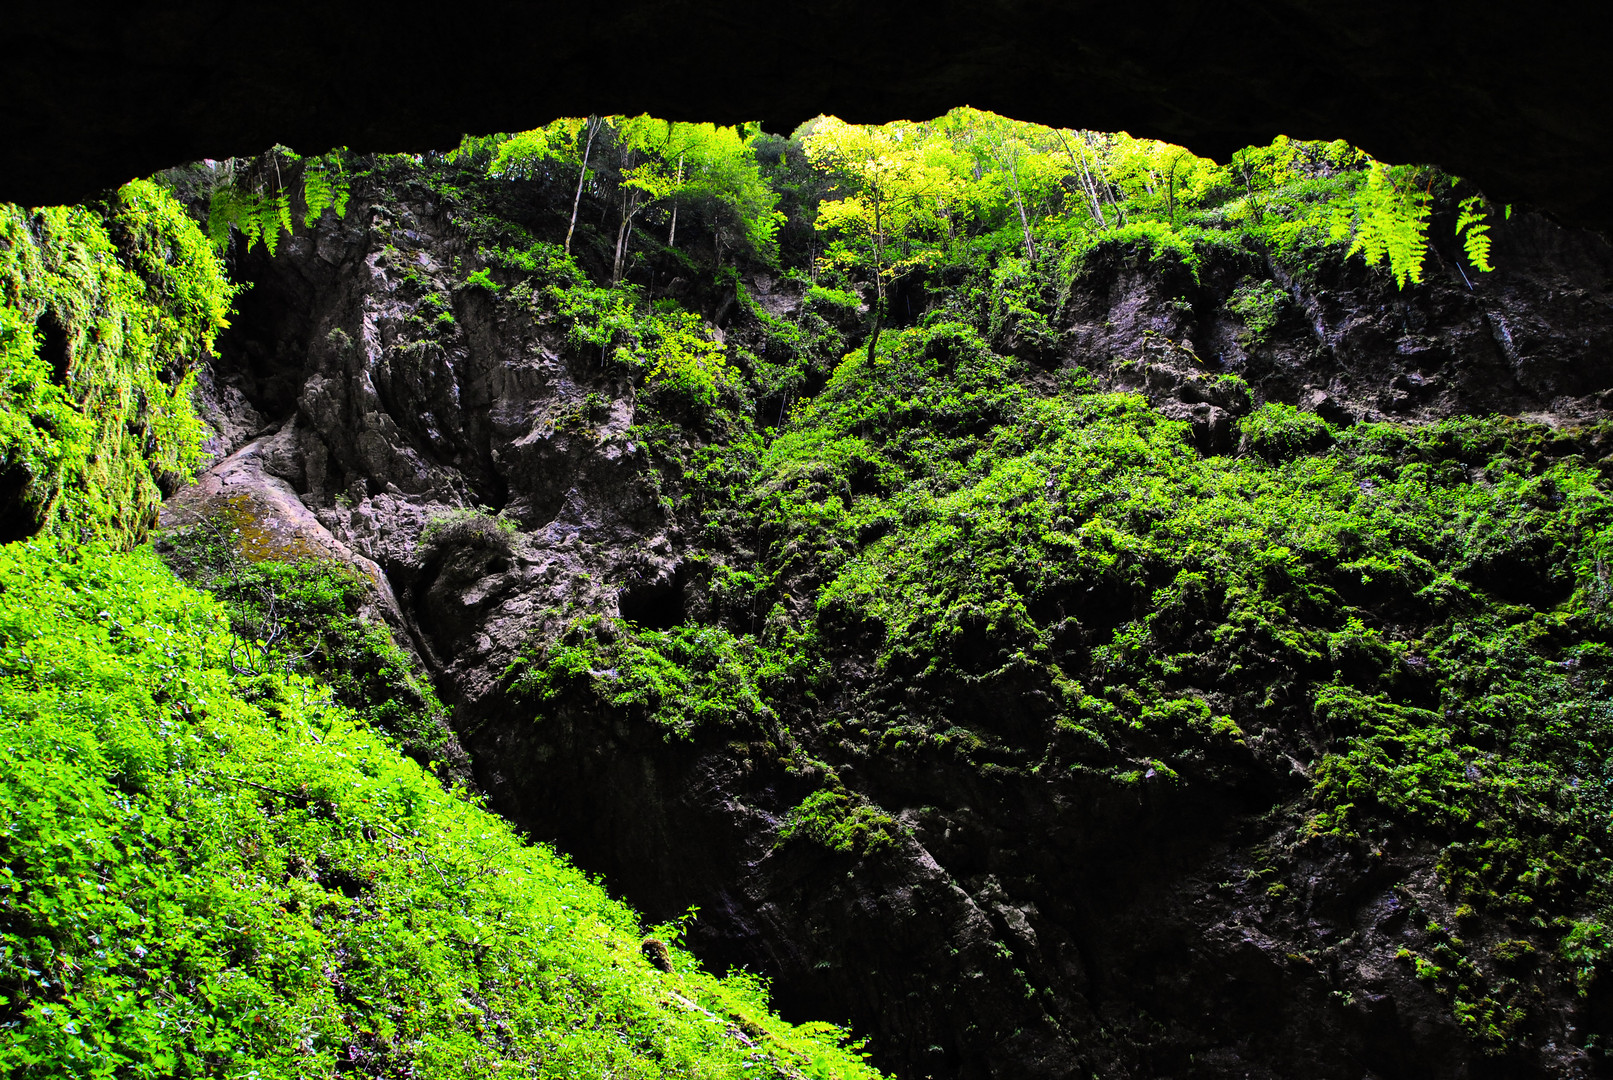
(653, 605)
(18, 520)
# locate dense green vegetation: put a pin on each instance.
(1058, 584)
(1062, 585)
(987, 219)
(208, 872)
(307, 617)
(216, 860)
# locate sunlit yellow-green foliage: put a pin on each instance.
(684, 359)
(708, 169)
(917, 188)
(906, 185)
(104, 313)
(205, 874)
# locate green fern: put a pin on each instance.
(1390, 222)
(268, 217)
(341, 192)
(1474, 230)
(316, 194)
(260, 208)
(220, 216)
(282, 209)
(324, 187)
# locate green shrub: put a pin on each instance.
(1259, 304)
(481, 279)
(1279, 432)
(841, 300)
(683, 359)
(467, 527)
(684, 679)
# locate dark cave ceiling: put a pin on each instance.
(1515, 97)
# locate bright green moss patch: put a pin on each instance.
(195, 884)
(104, 312)
(683, 679)
(840, 821)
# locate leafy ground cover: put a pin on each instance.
(308, 617)
(205, 874)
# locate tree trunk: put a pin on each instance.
(1172, 203)
(672, 234)
(576, 200)
(879, 278)
(1024, 222)
(873, 337)
(621, 250)
(630, 209)
(1087, 183)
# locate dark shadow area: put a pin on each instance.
(17, 519)
(654, 605)
(53, 348)
(1409, 81)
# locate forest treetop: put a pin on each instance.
(889, 199)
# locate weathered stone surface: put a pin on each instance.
(267, 518)
(1020, 925)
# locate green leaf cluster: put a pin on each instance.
(683, 679)
(253, 197)
(840, 821)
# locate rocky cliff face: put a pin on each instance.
(997, 916)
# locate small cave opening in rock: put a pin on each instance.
(17, 519)
(653, 605)
(53, 347)
(906, 300)
(265, 348)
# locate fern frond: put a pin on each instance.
(1474, 230)
(268, 222)
(316, 194)
(1391, 223)
(282, 209)
(220, 216)
(339, 194)
(264, 211)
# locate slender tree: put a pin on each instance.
(900, 194)
(592, 126)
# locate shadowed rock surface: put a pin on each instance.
(1513, 98)
(1016, 923)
